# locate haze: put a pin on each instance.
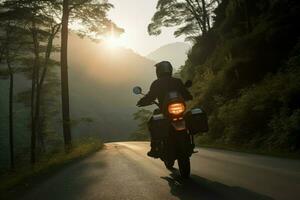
(134, 16)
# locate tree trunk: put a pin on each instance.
(64, 77)
(37, 119)
(34, 83)
(48, 54)
(11, 96)
(204, 17)
(11, 117)
(40, 83)
(33, 129)
(247, 18)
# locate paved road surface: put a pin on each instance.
(123, 171)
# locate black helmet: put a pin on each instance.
(163, 68)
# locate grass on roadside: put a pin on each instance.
(24, 176)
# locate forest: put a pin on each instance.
(34, 104)
(244, 65)
(66, 92)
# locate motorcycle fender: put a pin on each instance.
(179, 125)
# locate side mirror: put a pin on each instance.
(188, 84)
(137, 90)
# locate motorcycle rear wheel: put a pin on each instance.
(184, 167)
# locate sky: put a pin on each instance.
(134, 16)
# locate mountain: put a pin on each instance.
(176, 53)
(101, 82)
(101, 97)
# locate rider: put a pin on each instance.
(164, 84)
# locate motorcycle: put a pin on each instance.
(173, 127)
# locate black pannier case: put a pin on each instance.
(196, 121)
(158, 126)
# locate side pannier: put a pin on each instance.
(196, 121)
(158, 126)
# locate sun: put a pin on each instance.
(113, 42)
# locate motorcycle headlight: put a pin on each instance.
(176, 108)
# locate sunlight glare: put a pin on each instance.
(113, 42)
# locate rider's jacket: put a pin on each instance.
(161, 87)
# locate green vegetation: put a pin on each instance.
(246, 76)
(35, 116)
(142, 132)
(50, 162)
(245, 71)
(192, 16)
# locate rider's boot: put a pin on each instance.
(154, 152)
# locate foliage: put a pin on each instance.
(142, 132)
(266, 113)
(89, 18)
(246, 75)
(192, 16)
(35, 25)
(47, 164)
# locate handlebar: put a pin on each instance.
(154, 102)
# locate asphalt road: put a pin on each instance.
(123, 171)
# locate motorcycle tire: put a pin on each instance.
(184, 167)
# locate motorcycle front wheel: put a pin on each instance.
(184, 167)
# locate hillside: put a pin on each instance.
(246, 76)
(176, 53)
(101, 82)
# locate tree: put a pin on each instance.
(12, 40)
(42, 28)
(6, 55)
(193, 16)
(42, 22)
(64, 76)
(92, 17)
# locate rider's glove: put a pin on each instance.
(141, 103)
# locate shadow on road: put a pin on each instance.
(197, 188)
(70, 181)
